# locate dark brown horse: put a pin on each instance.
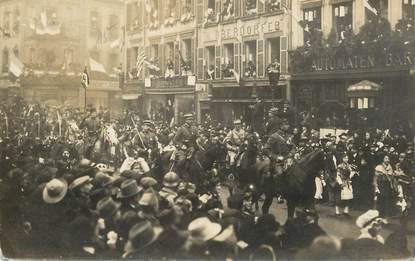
(297, 184)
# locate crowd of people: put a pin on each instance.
(82, 185)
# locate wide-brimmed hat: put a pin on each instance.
(203, 229)
(171, 179)
(102, 179)
(129, 188)
(142, 235)
(148, 182)
(149, 199)
(54, 191)
(79, 181)
(107, 207)
(368, 218)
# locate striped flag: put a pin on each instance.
(141, 57)
(15, 66)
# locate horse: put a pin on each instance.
(106, 146)
(297, 184)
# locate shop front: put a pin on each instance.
(169, 99)
(337, 90)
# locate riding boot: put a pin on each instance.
(267, 204)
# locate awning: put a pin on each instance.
(130, 96)
(364, 89)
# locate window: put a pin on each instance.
(250, 59)
(187, 11)
(114, 27)
(228, 60)
(342, 19)
(312, 17)
(154, 52)
(6, 23)
(134, 21)
(211, 15)
(408, 9)
(16, 21)
(68, 56)
(5, 61)
(272, 50)
(187, 50)
(210, 59)
(250, 7)
(273, 5)
(228, 10)
(375, 9)
(95, 23)
(171, 12)
(169, 58)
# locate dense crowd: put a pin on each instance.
(81, 185)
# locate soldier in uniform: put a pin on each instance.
(274, 121)
(234, 140)
(185, 140)
(277, 143)
(146, 140)
(92, 125)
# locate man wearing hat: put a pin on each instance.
(146, 139)
(185, 139)
(274, 121)
(92, 125)
(233, 140)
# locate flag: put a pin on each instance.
(85, 78)
(370, 7)
(141, 57)
(16, 66)
(236, 75)
(96, 66)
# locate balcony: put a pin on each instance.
(169, 83)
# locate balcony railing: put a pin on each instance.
(174, 82)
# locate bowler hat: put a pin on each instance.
(147, 182)
(142, 234)
(107, 207)
(129, 188)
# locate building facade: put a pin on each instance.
(161, 39)
(238, 41)
(349, 41)
(55, 40)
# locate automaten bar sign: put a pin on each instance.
(356, 62)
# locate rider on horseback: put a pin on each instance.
(234, 140)
(146, 139)
(185, 140)
(93, 126)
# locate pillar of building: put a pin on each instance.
(326, 17)
(176, 109)
(289, 92)
(359, 15)
(394, 12)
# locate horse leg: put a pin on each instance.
(267, 203)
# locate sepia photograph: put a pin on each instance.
(207, 130)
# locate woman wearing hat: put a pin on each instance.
(385, 196)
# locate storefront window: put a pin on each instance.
(210, 53)
(342, 19)
(375, 9)
(408, 9)
(250, 59)
(228, 65)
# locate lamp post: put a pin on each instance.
(273, 77)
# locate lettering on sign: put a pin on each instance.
(362, 62)
(235, 31)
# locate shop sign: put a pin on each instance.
(250, 28)
(362, 62)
